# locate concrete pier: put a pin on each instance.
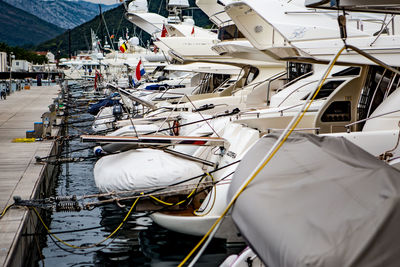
(19, 175)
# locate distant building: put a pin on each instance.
(20, 65)
(3, 62)
(50, 56)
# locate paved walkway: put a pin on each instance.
(18, 173)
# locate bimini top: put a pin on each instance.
(215, 11)
(149, 22)
(321, 201)
(379, 6)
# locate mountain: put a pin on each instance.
(19, 27)
(63, 13)
(116, 24)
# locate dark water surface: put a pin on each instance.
(138, 243)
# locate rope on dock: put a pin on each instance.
(70, 203)
(86, 246)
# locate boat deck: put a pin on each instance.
(19, 175)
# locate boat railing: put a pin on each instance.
(348, 126)
(269, 80)
(316, 130)
(218, 20)
(383, 28)
(297, 89)
(281, 111)
(358, 20)
(171, 112)
(272, 79)
(294, 91)
(195, 109)
(225, 82)
(294, 80)
(203, 86)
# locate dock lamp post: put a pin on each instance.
(12, 57)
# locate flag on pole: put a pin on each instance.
(139, 70)
(164, 32)
(155, 49)
(192, 31)
(123, 47)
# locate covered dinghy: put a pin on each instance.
(321, 201)
(141, 169)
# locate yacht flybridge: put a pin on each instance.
(317, 38)
(377, 6)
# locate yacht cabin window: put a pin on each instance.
(379, 84)
(327, 89)
(352, 71)
(252, 74)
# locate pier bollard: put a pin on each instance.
(46, 119)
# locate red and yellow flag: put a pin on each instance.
(123, 48)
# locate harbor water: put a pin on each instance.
(138, 243)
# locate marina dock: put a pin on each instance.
(20, 175)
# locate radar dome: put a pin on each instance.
(134, 41)
(99, 56)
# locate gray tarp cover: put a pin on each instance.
(321, 201)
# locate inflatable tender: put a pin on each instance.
(142, 169)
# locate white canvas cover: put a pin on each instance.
(321, 201)
(142, 168)
(138, 6)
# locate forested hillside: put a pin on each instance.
(21, 53)
(18, 28)
(63, 13)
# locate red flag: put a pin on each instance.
(139, 70)
(192, 30)
(164, 32)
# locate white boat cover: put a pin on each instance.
(138, 6)
(142, 168)
(321, 201)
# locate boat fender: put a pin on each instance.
(175, 127)
(117, 111)
(98, 151)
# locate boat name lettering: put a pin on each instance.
(299, 33)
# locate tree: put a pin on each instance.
(23, 54)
